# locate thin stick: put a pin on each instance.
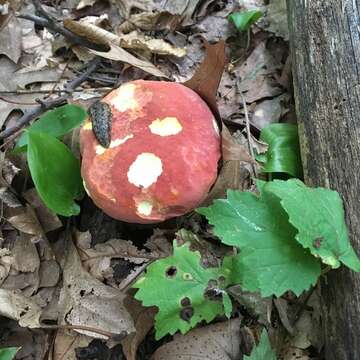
(248, 133)
(49, 104)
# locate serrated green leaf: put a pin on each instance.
(263, 351)
(244, 19)
(56, 122)
(8, 353)
(270, 259)
(177, 286)
(283, 154)
(55, 172)
(318, 215)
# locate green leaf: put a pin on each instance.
(318, 215)
(56, 122)
(8, 353)
(178, 285)
(270, 259)
(263, 351)
(244, 19)
(283, 154)
(55, 172)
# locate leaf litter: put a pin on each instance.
(45, 279)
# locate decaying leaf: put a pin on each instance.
(16, 306)
(151, 21)
(66, 343)
(86, 301)
(10, 38)
(143, 320)
(5, 264)
(276, 17)
(118, 54)
(214, 342)
(27, 222)
(48, 219)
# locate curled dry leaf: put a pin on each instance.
(214, 342)
(231, 174)
(138, 41)
(86, 301)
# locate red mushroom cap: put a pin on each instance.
(163, 155)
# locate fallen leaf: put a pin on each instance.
(86, 301)
(151, 21)
(126, 6)
(27, 222)
(25, 255)
(282, 307)
(255, 304)
(49, 273)
(258, 75)
(66, 343)
(143, 319)
(5, 264)
(270, 111)
(137, 41)
(276, 19)
(16, 306)
(10, 38)
(118, 54)
(48, 219)
(84, 3)
(214, 342)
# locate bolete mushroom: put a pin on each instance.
(159, 155)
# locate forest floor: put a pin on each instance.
(60, 273)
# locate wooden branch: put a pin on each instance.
(325, 43)
(51, 103)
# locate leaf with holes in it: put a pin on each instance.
(270, 259)
(318, 215)
(184, 291)
(263, 350)
(8, 353)
(283, 154)
(55, 122)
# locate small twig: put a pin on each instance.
(51, 103)
(21, 92)
(51, 24)
(86, 328)
(248, 133)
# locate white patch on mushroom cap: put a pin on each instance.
(99, 150)
(117, 142)
(124, 98)
(145, 170)
(144, 208)
(216, 127)
(166, 126)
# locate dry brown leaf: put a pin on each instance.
(48, 219)
(86, 301)
(5, 264)
(27, 222)
(49, 273)
(135, 40)
(85, 3)
(66, 343)
(126, 6)
(10, 38)
(214, 342)
(97, 260)
(138, 41)
(118, 54)
(151, 21)
(144, 320)
(9, 198)
(25, 255)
